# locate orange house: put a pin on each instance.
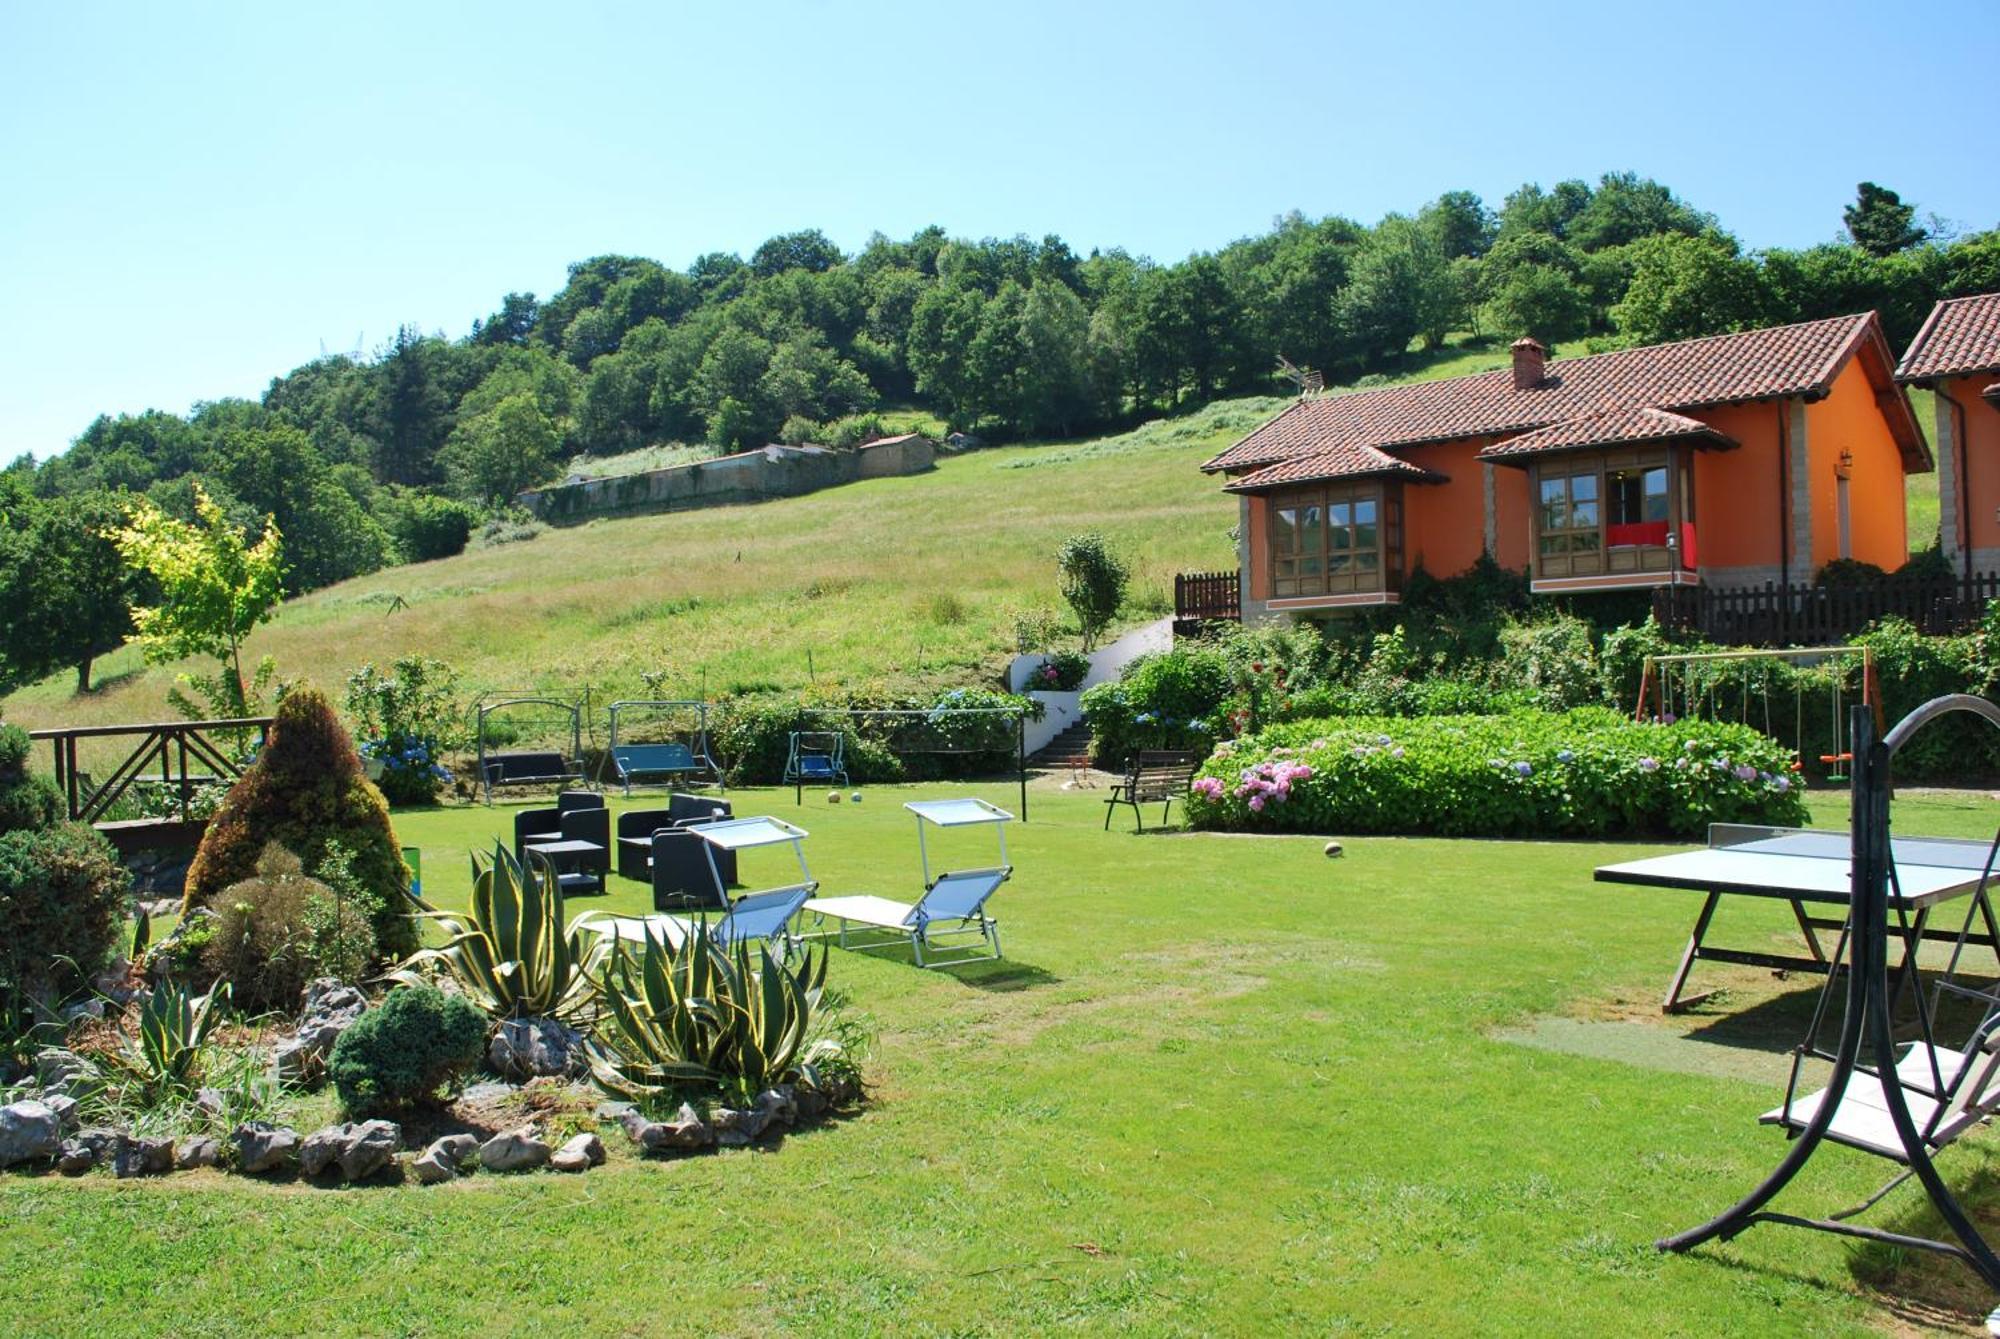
(1731, 461)
(1957, 355)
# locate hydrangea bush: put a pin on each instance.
(1583, 773)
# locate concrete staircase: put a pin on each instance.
(1071, 748)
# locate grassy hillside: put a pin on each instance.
(914, 578)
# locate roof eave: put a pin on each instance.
(1700, 441)
(1923, 334)
(1247, 486)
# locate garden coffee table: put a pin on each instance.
(569, 856)
(1807, 865)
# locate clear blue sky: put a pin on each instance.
(194, 198)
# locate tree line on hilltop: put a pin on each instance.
(365, 461)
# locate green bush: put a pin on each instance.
(428, 526)
(1062, 672)
(406, 1052)
(62, 890)
(751, 735)
(1910, 670)
(306, 792)
(1582, 773)
(27, 800)
(407, 720)
(1169, 700)
(1553, 660)
(279, 929)
(62, 894)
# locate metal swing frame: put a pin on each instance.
(1869, 1021)
(493, 773)
(1656, 680)
(831, 760)
(700, 751)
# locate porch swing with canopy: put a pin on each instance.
(1905, 1107)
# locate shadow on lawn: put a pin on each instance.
(1777, 1023)
(1002, 976)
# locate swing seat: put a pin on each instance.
(1862, 1119)
(1836, 757)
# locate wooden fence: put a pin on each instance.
(161, 758)
(1774, 615)
(1205, 597)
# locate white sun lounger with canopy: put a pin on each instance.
(762, 915)
(948, 924)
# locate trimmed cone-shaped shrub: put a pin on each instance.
(307, 789)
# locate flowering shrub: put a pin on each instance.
(1172, 700)
(1587, 772)
(1062, 672)
(405, 721)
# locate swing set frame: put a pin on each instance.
(1656, 680)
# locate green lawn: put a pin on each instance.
(1220, 1085)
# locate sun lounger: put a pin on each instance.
(954, 907)
(762, 916)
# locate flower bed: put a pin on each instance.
(1583, 773)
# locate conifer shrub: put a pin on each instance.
(306, 791)
(406, 1052)
(62, 889)
(27, 800)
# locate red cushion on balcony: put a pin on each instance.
(1638, 532)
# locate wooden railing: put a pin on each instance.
(171, 746)
(1774, 615)
(1205, 597)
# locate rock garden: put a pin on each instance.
(306, 1019)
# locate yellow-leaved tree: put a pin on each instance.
(215, 586)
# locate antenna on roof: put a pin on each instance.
(1305, 379)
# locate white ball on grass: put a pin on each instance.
(1333, 850)
(833, 797)
(855, 797)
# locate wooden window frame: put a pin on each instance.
(1571, 552)
(1302, 574)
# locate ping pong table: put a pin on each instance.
(1808, 866)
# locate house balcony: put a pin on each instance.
(1642, 555)
(1201, 598)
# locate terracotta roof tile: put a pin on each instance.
(1607, 427)
(1962, 335)
(1720, 369)
(1348, 461)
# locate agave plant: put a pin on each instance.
(511, 953)
(703, 1014)
(173, 1026)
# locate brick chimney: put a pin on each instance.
(1529, 359)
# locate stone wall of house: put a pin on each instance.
(750, 476)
